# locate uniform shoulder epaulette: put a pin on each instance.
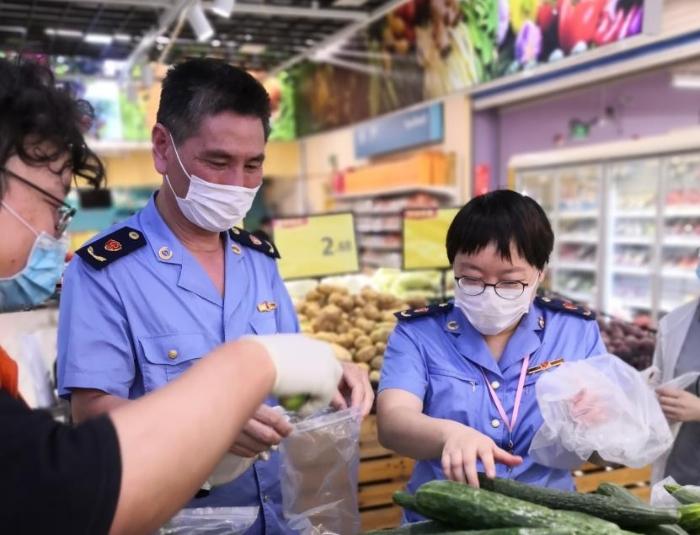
(423, 311)
(115, 245)
(561, 305)
(251, 240)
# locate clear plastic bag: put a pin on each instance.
(212, 521)
(319, 474)
(601, 405)
(660, 497)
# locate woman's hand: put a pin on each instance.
(464, 447)
(679, 405)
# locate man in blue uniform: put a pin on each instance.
(457, 391)
(144, 301)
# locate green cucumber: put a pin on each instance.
(627, 515)
(686, 495)
(618, 492)
(464, 507)
(405, 500)
(435, 528)
(690, 518)
(621, 494)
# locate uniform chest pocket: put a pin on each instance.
(168, 356)
(263, 323)
(453, 394)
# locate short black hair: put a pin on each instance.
(199, 88)
(33, 110)
(502, 217)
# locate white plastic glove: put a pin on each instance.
(304, 366)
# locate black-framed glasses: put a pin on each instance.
(65, 211)
(509, 290)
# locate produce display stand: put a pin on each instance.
(383, 472)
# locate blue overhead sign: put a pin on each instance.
(400, 131)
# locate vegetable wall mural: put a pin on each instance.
(426, 49)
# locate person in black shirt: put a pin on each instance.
(128, 472)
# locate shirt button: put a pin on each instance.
(495, 385)
(266, 498)
(495, 423)
(172, 354)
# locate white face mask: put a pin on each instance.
(210, 206)
(490, 314)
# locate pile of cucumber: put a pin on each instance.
(507, 507)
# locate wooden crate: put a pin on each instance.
(382, 472)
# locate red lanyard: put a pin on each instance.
(518, 396)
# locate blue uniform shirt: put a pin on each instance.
(141, 321)
(439, 358)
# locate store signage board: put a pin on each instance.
(424, 233)
(316, 245)
(400, 131)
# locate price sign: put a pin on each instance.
(317, 246)
(424, 233)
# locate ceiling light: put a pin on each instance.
(349, 3)
(60, 32)
(253, 49)
(98, 38)
(223, 8)
(13, 29)
(686, 81)
(199, 22)
(122, 37)
(216, 43)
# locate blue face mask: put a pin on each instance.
(37, 281)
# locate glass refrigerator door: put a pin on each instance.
(680, 242)
(540, 185)
(630, 258)
(577, 233)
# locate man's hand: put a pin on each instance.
(679, 405)
(355, 387)
(588, 408)
(266, 429)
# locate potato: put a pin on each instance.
(363, 341)
(347, 304)
(336, 298)
(331, 312)
(364, 366)
(327, 337)
(343, 327)
(355, 332)
(376, 363)
(375, 376)
(312, 310)
(381, 348)
(346, 340)
(341, 353)
(388, 317)
(380, 334)
(365, 354)
(314, 296)
(371, 312)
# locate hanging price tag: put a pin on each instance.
(424, 233)
(316, 246)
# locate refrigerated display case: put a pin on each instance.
(626, 218)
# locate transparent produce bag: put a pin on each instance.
(601, 405)
(319, 473)
(212, 521)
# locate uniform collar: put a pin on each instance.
(165, 245)
(525, 340)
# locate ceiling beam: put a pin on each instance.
(338, 36)
(247, 9)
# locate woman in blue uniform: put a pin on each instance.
(457, 391)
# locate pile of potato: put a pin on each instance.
(357, 325)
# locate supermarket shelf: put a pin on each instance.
(635, 214)
(103, 148)
(682, 211)
(634, 240)
(578, 214)
(376, 213)
(380, 230)
(576, 266)
(679, 273)
(578, 238)
(584, 297)
(377, 247)
(450, 193)
(682, 241)
(638, 304)
(632, 270)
